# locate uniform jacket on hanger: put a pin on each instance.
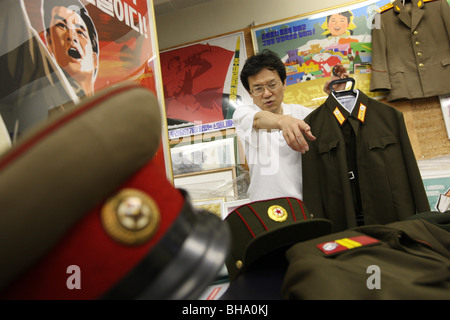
(389, 179)
(411, 49)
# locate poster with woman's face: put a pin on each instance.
(311, 46)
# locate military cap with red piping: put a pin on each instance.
(87, 214)
(261, 227)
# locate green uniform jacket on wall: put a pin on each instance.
(389, 179)
(411, 50)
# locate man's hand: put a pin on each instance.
(339, 72)
(294, 131)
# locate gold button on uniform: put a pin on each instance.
(416, 32)
(419, 54)
(417, 43)
(421, 65)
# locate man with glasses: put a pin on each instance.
(272, 132)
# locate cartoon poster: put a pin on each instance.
(55, 53)
(438, 192)
(435, 173)
(311, 45)
(201, 80)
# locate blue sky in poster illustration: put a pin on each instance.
(202, 128)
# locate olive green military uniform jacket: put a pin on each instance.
(389, 179)
(400, 260)
(411, 50)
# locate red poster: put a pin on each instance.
(123, 35)
(51, 57)
(201, 80)
(193, 82)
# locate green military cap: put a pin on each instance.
(261, 227)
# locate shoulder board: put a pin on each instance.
(385, 8)
(428, 0)
(337, 246)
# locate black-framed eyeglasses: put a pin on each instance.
(271, 86)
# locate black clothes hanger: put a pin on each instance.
(342, 93)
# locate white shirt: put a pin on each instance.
(275, 169)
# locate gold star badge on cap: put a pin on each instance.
(130, 217)
(277, 213)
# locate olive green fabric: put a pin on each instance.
(440, 219)
(409, 260)
(255, 231)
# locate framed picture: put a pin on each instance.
(209, 184)
(203, 156)
(437, 188)
(309, 47)
(201, 80)
(436, 179)
(216, 206)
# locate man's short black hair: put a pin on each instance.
(266, 59)
(79, 8)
